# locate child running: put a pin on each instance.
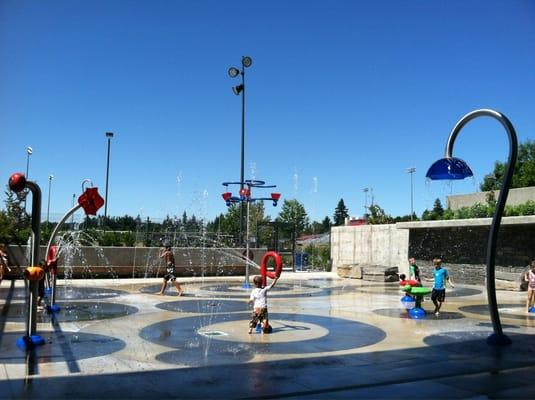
(259, 300)
(169, 258)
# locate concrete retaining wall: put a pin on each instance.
(462, 244)
(372, 248)
(111, 262)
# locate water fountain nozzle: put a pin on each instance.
(17, 182)
(91, 201)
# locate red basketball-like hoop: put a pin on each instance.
(263, 266)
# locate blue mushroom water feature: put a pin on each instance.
(454, 168)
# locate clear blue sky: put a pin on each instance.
(341, 95)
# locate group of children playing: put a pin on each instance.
(440, 277)
(258, 297)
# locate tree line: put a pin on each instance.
(292, 220)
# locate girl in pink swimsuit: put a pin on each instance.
(530, 278)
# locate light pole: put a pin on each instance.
(233, 72)
(29, 152)
(454, 168)
(365, 190)
(411, 171)
(72, 218)
(109, 135)
(50, 177)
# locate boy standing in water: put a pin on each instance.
(260, 310)
(414, 271)
(440, 275)
(169, 258)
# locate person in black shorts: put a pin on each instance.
(440, 276)
(169, 258)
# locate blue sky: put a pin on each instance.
(341, 95)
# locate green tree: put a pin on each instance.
(378, 216)
(14, 221)
(436, 213)
(326, 225)
(524, 172)
(293, 213)
(438, 210)
(340, 213)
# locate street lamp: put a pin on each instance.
(50, 177)
(109, 135)
(72, 218)
(454, 168)
(233, 72)
(24, 193)
(365, 190)
(29, 152)
(411, 171)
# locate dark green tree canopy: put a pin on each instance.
(293, 212)
(340, 213)
(524, 172)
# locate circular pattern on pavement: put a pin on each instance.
(429, 316)
(60, 346)
(69, 312)
(204, 306)
(236, 291)
(292, 333)
(512, 311)
(67, 293)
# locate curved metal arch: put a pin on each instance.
(498, 338)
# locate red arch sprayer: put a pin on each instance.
(263, 266)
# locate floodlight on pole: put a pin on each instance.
(109, 135)
(233, 72)
(411, 171)
(50, 177)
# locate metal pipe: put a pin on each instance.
(51, 240)
(109, 135)
(500, 205)
(242, 158)
(31, 322)
(247, 283)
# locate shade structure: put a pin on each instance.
(449, 169)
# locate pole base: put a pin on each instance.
(417, 313)
(53, 308)
(498, 340)
(30, 342)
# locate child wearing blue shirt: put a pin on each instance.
(440, 275)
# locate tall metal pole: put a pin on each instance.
(109, 135)
(50, 177)
(411, 171)
(247, 249)
(242, 165)
(72, 218)
(29, 152)
(365, 190)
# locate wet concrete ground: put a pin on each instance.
(332, 338)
